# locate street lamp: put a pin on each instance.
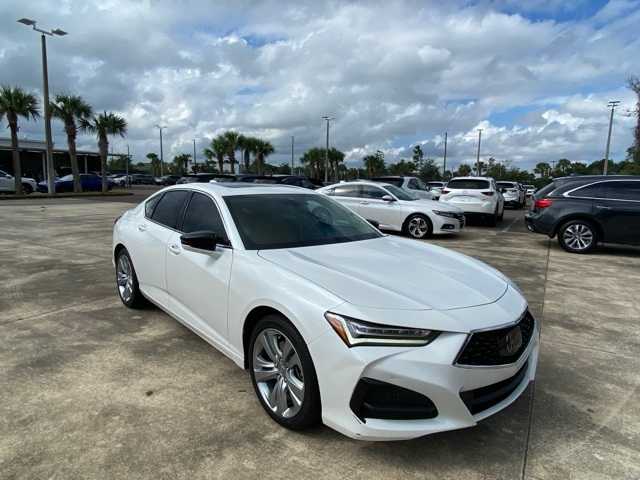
(327, 118)
(45, 81)
(612, 104)
(161, 127)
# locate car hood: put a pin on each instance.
(394, 273)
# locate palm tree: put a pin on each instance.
(69, 109)
(231, 139)
(248, 146)
(104, 125)
(155, 163)
(219, 149)
(14, 103)
(263, 150)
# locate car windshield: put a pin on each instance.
(295, 220)
(399, 193)
(506, 184)
(469, 184)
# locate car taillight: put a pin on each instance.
(543, 203)
(488, 194)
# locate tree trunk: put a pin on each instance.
(75, 171)
(232, 162)
(221, 164)
(247, 160)
(260, 163)
(103, 146)
(17, 168)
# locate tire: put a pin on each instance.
(578, 236)
(492, 220)
(127, 281)
(501, 216)
(294, 376)
(27, 189)
(417, 226)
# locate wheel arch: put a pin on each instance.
(253, 317)
(579, 216)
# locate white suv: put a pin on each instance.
(475, 196)
(412, 185)
(7, 184)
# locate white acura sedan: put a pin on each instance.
(395, 209)
(379, 337)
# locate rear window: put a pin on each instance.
(546, 190)
(506, 185)
(169, 208)
(470, 184)
(393, 181)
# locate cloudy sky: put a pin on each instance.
(534, 75)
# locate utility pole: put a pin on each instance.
(161, 127)
(612, 104)
(478, 154)
(444, 164)
(326, 152)
(292, 143)
(51, 174)
(126, 178)
(195, 161)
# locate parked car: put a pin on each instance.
(513, 194)
(206, 178)
(377, 336)
(583, 211)
(393, 208)
(8, 183)
(88, 181)
(476, 196)
(293, 180)
(120, 180)
(142, 179)
(436, 187)
(413, 185)
(530, 190)
(167, 180)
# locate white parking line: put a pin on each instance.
(506, 229)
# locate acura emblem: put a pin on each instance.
(511, 343)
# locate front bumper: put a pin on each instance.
(442, 224)
(429, 371)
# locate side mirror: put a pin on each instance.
(374, 223)
(202, 241)
(388, 198)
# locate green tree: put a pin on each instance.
(634, 84)
(418, 155)
(248, 146)
(231, 141)
(181, 163)
(15, 103)
(313, 160)
(403, 167)
(563, 167)
(71, 109)
(375, 164)
(105, 124)
(543, 169)
(464, 170)
(154, 160)
(336, 157)
(429, 170)
(262, 150)
(217, 149)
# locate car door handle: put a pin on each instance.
(175, 249)
(603, 207)
(364, 203)
(142, 228)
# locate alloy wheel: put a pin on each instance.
(124, 278)
(278, 373)
(578, 236)
(418, 227)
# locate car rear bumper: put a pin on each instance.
(483, 207)
(536, 223)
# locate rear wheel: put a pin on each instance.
(577, 236)
(492, 220)
(283, 374)
(418, 226)
(27, 189)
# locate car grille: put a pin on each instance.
(484, 398)
(498, 347)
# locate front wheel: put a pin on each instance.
(27, 189)
(127, 281)
(577, 236)
(283, 374)
(418, 226)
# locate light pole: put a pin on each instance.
(444, 163)
(161, 127)
(126, 178)
(326, 152)
(478, 154)
(45, 91)
(194, 167)
(292, 142)
(612, 104)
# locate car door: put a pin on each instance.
(198, 281)
(6, 182)
(151, 237)
(372, 207)
(618, 210)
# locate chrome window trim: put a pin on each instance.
(524, 354)
(566, 194)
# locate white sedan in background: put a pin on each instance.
(377, 336)
(393, 208)
(8, 183)
(477, 196)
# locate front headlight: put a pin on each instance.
(357, 332)
(445, 214)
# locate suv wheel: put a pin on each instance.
(577, 236)
(283, 374)
(417, 226)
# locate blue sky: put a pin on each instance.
(535, 75)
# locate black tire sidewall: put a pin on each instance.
(27, 189)
(309, 414)
(586, 223)
(418, 215)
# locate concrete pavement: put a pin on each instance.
(91, 389)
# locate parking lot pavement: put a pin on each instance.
(93, 390)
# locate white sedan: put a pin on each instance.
(379, 337)
(8, 183)
(393, 208)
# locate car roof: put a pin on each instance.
(471, 178)
(359, 182)
(225, 189)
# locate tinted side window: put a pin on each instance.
(372, 192)
(347, 191)
(202, 214)
(595, 190)
(168, 209)
(622, 190)
(413, 184)
(151, 205)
